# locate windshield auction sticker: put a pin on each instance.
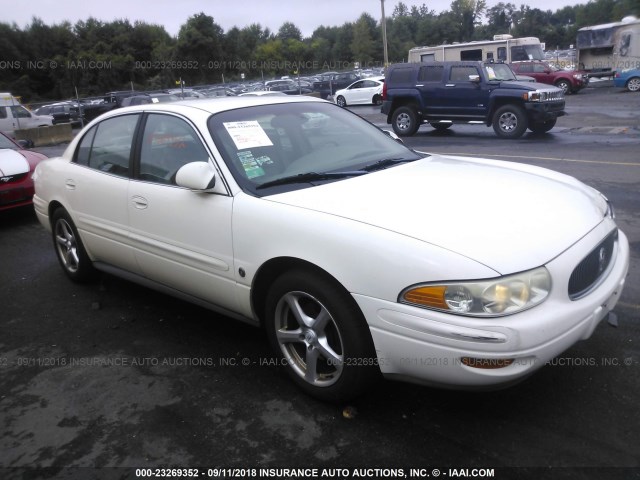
(247, 134)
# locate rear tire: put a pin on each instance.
(404, 121)
(376, 100)
(320, 335)
(69, 249)
(510, 121)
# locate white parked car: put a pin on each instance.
(362, 92)
(358, 255)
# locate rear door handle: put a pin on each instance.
(70, 184)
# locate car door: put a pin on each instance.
(181, 238)
(96, 189)
(543, 73)
(355, 93)
(462, 98)
(367, 91)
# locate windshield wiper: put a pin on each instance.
(311, 177)
(387, 162)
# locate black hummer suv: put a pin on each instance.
(444, 93)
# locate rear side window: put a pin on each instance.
(401, 75)
(431, 73)
(107, 146)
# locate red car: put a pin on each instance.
(570, 81)
(16, 167)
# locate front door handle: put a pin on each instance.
(139, 202)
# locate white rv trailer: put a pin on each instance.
(503, 48)
(603, 49)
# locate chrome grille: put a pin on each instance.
(590, 270)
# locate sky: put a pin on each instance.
(307, 15)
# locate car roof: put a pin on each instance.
(216, 105)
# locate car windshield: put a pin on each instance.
(280, 147)
(499, 71)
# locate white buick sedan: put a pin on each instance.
(358, 255)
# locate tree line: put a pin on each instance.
(91, 57)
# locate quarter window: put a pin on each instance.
(168, 144)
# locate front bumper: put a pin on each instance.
(541, 112)
(428, 347)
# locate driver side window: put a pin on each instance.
(168, 143)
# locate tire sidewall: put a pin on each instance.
(354, 332)
(85, 271)
(633, 81)
(408, 114)
(521, 121)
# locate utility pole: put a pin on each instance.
(384, 35)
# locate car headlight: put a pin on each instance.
(535, 96)
(482, 298)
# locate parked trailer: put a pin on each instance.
(604, 49)
(503, 48)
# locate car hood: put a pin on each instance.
(519, 85)
(509, 217)
(12, 163)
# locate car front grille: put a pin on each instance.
(591, 269)
(10, 179)
(556, 95)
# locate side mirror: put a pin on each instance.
(474, 78)
(199, 176)
(25, 143)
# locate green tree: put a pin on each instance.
(200, 41)
(288, 31)
(363, 48)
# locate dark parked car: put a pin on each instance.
(62, 112)
(445, 93)
(570, 81)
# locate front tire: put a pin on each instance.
(565, 86)
(320, 335)
(633, 85)
(404, 121)
(69, 249)
(510, 121)
(341, 102)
